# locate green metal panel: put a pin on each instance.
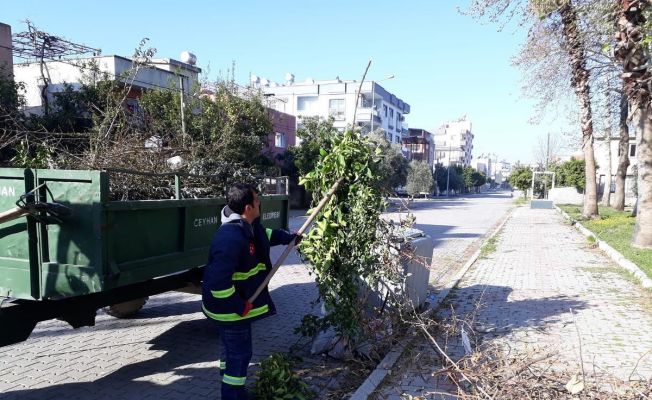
(71, 253)
(201, 224)
(274, 211)
(14, 251)
(104, 245)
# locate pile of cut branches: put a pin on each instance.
(495, 370)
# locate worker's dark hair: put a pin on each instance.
(239, 196)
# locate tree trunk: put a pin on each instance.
(631, 50)
(643, 228)
(606, 192)
(623, 158)
(580, 83)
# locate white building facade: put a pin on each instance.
(376, 107)
(602, 159)
(454, 143)
(160, 73)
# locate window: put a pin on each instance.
(279, 140)
(307, 104)
(632, 150)
(391, 113)
(385, 110)
(336, 108)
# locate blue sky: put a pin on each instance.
(445, 64)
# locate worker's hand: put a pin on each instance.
(297, 239)
(248, 307)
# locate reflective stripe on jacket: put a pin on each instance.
(238, 263)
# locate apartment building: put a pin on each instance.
(602, 147)
(419, 145)
(376, 107)
(284, 133)
(454, 143)
(6, 58)
(42, 85)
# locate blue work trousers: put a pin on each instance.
(234, 359)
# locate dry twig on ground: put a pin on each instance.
(495, 370)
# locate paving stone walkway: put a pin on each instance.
(168, 351)
(541, 270)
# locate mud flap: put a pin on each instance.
(16, 324)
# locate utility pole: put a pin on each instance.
(183, 117)
(548, 151)
(448, 172)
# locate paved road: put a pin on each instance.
(457, 226)
(169, 351)
(542, 268)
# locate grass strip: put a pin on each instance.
(616, 228)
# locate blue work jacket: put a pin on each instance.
(238, 263)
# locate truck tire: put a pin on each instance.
(126, 309)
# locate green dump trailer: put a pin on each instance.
(99, 253)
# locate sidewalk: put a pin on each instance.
(542, 268)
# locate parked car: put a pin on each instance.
(401, 191)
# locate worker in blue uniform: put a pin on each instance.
(238, 263)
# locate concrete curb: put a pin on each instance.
(611, 252)
(384, 368)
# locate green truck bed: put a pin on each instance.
(105, 251)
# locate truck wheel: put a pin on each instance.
(126, 309)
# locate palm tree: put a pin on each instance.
(623, 157)
(631, 50)
(574, 46)
(559, 17)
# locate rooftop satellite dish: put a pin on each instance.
(264, 81)
(289, 77)
(254, 79)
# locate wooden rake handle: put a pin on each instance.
(290, 246)
(12, 214)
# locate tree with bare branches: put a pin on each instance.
(561, 18)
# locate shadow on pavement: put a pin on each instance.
(497, 314)
(187, 343)
(440, 234)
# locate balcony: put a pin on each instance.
(364, 114)
(337, 115)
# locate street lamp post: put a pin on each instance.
(448, 172)
(373, 107)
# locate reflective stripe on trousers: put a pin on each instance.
(235, 356)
